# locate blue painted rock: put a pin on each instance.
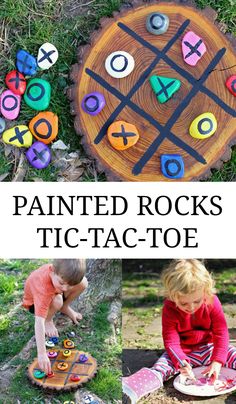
(39, 156)
(231, 84)
(16, 82)
(44, 126)
(164, 87)
(83, 358)
(38, 374)
(10, 105)
(203, 126)
(47, 56)
(19, 136)
(2, 125)
(157, 23)
(93, 103)
(119, 64)
(38, 94)
(172, 166)
(193, 48)
(26, 63)
(55, 340)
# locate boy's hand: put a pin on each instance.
(44, 363)
(213, 370)
(187, 370)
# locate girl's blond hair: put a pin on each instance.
(186, 276)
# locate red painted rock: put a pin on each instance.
(16, 82)
(231, 84)
(193, 48)
(44, 127)
(50, 375)
(10, 105)
(75, 378)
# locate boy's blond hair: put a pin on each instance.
(70, 270)
(184, 277)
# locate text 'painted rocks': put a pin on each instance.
(157, 23)
(231, 84)
(39, 156)
(122, 135)
(2, 125)
(16, 82)
(26, 63)
(203, 126)
(19, 136)
(172, 166)
(10, 105)
(47, 56)
(38, 94)
(164, 87)
(44, 126)
(93, 103)
(193, 48)
(119, 64)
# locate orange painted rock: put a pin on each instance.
(122, 135)
(44, 126)
(62, 366)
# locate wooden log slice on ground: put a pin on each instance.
(61, 379)
(163, 128)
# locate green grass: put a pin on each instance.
(29, 23)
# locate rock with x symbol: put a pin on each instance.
(47, 56)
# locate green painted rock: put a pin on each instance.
(164, 87)
(19, 136)
(38, 94)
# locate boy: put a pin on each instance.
(49, 289)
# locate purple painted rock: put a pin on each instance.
(93, 103)
(39, 155)
(16, 82)
(193, 48)
(83, 358)
(10, 105)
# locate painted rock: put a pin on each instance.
(16, 82)
(44, 127)
(19, 136)
(87, 399)
(38, 94)
(71, 334)
(75, 378)
(26, 63)
(38, 374)
(49, 375)
(122, 135)
(119, 64)
(203, 126)
(52, 354)
(66, 352)
(231, 84)
(83, 358)
(39, 156)
(47, 56)
(2, 125)
(62, 366)
(172, 166)
(55, 340)
(193, 48)
(164, 87)
(157, 23)
(68, 343)
(10, 105)
(49, 344)
(93, 103)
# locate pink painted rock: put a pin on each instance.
(10, 104)
(193, 48)
(231, 84)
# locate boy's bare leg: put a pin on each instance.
(71, 295)
(55, 306)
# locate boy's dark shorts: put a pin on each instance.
(31, 308)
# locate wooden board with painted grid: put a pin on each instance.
(163, 128)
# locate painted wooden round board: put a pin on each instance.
(163, 128)
(61, 379)
(225, 384)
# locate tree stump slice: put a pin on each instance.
(169, 134)
(61, 379)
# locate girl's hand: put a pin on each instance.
(213, 370)
(44, 363)
(187, 370)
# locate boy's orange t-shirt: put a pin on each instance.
(39, 290)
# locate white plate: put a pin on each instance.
(205, 389)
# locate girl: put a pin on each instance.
(194, 329)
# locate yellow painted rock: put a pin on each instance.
(66, 352)
(19, 136)
(203, 126)
(44, 126)
(122, 135)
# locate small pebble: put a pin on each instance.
(203, 126)
(157, 23)
(122, 135)
(47, 56)
(119, 64)
(193, 48)
(2, 125)
(26, 63)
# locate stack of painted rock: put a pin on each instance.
(36, 93)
